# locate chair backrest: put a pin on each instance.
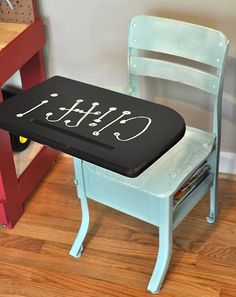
(187, 53)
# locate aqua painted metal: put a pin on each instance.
(81, 191)
(149, 197)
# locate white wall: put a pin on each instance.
(87, 40)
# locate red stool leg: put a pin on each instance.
(33, 71)
(11, 207)
(13, 190)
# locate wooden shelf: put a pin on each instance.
(9, 31)
(21, 41)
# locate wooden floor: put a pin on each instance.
(119, 252)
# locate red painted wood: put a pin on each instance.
(1, 183)
(7, 170)
(24, 54)
(34, 8)
(33, 71)
(11, 207)
(3, 218)
(10, 198)
(20, 50)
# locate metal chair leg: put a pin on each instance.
(77, 246)
(213, 202)
(165, 249)
(213, 193)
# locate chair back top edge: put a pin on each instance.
(167, 36)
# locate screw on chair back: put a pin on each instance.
(205, 48)
(168, 190)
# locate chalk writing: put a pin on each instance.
(117, 134)
(20, 115)
(67, 122)
(96, 133)
(115, 117)
(68, 111)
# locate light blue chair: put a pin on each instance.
(150, 196)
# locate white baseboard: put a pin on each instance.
(227, 162)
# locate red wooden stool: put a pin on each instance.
(21, 40)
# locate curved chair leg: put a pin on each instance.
(77, 247)
(165, 250)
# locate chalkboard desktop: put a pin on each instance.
(112, 130)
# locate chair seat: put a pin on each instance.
(181, 161)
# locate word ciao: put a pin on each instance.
(75, 108)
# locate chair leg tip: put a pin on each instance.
(154, 291)
(78, 253)
(211, 220)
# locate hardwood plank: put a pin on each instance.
(120, 251)
(228, 293)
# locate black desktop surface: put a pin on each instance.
(112, 130)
